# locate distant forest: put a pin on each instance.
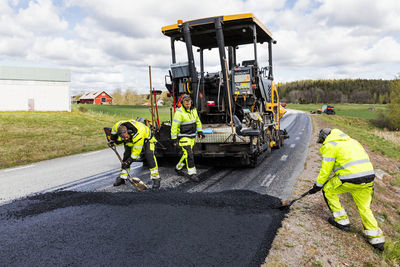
(337, 91)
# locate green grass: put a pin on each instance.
(391, 253)
(126, 111)
(28, 137)
(33, 136)
(348, 110)
(361, 130)
(353, 119)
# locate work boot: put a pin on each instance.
(380, 246)
(119, 181)
(345, 228)
(156, 184)
(180, 172)
(194, 177)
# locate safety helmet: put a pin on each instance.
(323, 134)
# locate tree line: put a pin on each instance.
(360, 91)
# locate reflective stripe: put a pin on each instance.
(377, 240)
(192, 170)
(356, 175)
(136, 140)
(199, 129)
(176, 121)
(156, 176)
(344, 222)
(179, 110)
(123, 174)
(180, 165)
(154, 171)
(339, 213)
(137, 147)
(342, 135)
(134, 157)
(333, 143)
(187, 135)
(188, 122)
(328, 159)
(373, 232)
(318, 184)
(352, 163)
(174, 136)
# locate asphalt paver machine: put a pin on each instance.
(237, 104)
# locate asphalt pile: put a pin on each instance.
(174, 228)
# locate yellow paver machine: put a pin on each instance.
(237, 101)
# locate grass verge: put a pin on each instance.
(28, 137)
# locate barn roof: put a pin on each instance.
(92, 95)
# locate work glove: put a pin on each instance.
(200, 135)
(315, 189)
(127, 163)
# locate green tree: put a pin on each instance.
(394, 106)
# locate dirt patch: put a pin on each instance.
(306, 238)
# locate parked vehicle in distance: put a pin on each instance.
(329, 110)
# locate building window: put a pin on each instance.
(103, 99)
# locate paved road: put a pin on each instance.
(228, 219)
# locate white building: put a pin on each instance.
(34, 89)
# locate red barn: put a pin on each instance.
(97, 98)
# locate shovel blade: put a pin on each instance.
(137, 183)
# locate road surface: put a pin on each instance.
(228, 219)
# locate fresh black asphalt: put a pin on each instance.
(166, 228)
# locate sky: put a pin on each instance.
(111, 44)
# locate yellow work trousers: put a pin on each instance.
(362, 196)
(186, 149)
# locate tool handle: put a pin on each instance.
(300, 197)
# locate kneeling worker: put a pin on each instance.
(185, 123)
(355, 174)
(135, 135)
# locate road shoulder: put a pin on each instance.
(306, 238)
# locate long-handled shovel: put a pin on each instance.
(134, 181)
(287, 203)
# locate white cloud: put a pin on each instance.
(41, 16)
(110, 44)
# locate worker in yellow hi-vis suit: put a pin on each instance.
(184, 126)
(136, 136)
(355, 174)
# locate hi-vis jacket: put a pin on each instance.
(347, 158)
(142, 134)
(185, 123)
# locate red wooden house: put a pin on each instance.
(97, 98)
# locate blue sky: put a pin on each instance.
(110, 44)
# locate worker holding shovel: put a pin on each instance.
(136, 136)
(354, 174)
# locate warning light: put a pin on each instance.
(211, 103)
